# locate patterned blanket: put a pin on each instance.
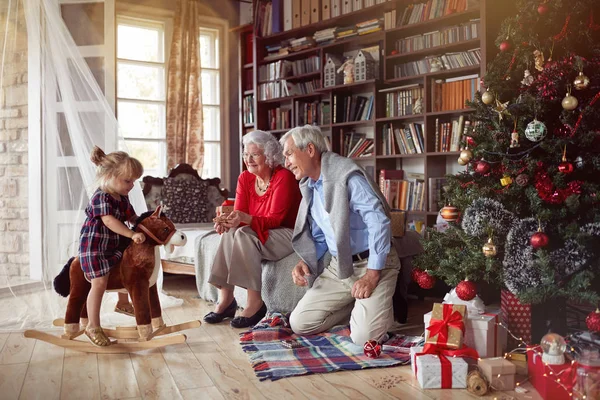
(275, 352)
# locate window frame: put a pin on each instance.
(149, 18)
(222, 26)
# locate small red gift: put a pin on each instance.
(544, 377)
(516, 317)
(225, 208)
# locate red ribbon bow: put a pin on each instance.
(440, 326)
(446, 365)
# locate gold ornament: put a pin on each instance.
(466, 155)
(539, 60)
(569, 102)
(506, 180)
(487, 97)
(489, 249)
(449, 213)
(501, 109)
(581, 81)
(462, 162)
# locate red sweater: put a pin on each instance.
(277, 207)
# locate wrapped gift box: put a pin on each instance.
(224, 210)
(516, 317)
(482, 333)
(431, 369)
(451, 315)
(499, 372)
(543, 377)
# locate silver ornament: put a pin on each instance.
(527, 79)
(535, 131)
(569, 102)
(579, 162)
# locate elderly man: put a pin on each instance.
(342, 211)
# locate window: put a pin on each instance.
(210, 65)
(141, 90)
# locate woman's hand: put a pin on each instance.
(236, 218)
(138, 237)
(220, 228)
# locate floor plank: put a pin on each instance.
(80, 378)
(353, 388)
(17, 349)
(207, 393)
(11, 380)
(185, 367)
(153, 375)
(44, 375)
(315, 387)
(3, 339)
(227, 377)
(117, 377)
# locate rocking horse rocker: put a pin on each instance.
(137, 273)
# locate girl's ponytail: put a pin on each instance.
(97, 156)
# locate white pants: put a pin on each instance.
(329, 302)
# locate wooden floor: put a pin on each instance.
(211, 365)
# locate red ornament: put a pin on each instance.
(372, 349)
(505, 46)
(565, 167)
(593, 321)
(415, 274)
(542, 9)
(393, 52)
(470, 141)
(466, 290)
(426, 281)
(539, 240)
(483, 167)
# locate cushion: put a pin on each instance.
(186, 201)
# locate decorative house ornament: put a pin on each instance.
(364, 66)
(331, 77)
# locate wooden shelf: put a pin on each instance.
(450, 112)
(350, 86)
(355, 41)
(443, 153)
(352, 123)
(451, 47)
(401, 118)
(351, 18)
(248, 66)
(295, 77)
(290, 98)
(247, 92)
(426, 26)
(392, 156)
(445, 73)
(248, 125)
(292, 54)
(278, 131)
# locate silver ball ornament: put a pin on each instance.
(487, 97)
(535, 131)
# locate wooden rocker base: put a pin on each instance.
(130, 332)
(115, 348)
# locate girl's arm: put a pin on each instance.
(118, 227)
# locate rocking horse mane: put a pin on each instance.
(142, 217)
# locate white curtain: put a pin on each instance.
(52, 113)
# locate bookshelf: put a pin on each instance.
(461, 40)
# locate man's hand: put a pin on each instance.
(299, 272)
(364, 287)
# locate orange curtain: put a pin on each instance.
(185, 135)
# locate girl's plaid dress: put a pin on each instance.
(98, 245)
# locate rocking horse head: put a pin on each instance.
(159, 229)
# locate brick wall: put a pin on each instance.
(14, 222)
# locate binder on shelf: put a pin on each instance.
(325, 9)
(305, 12)
(336, 8)
(347, 6)
(357, 5)
(315, 11)
(277, 15)
(296, 14)
(288, 15)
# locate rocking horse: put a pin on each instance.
(136, 273)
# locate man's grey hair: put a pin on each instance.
(303, 135)
(267, 143)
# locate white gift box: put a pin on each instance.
(428, 369)
(482, 333)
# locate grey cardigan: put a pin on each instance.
(335, 170)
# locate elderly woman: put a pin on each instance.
(260, 228)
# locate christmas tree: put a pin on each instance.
(528, 203)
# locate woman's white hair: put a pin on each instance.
(303, 135)
(269, 145)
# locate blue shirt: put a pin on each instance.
(369, 226)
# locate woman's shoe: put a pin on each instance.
(215, 318)
(244, 322)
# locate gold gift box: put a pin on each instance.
(398, 222)
(455, 335)
(224, 210)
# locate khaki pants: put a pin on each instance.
(239, 256)
(329, 302)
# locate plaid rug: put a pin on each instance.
(326, 352)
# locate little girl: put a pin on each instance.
(106, 213)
